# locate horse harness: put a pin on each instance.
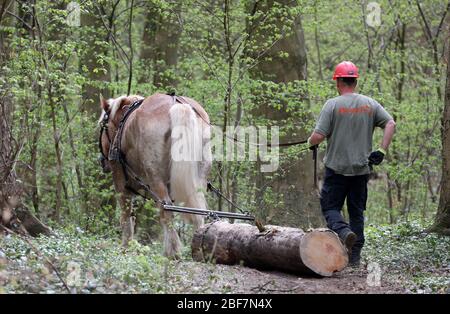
(133, 183)
(115, 149)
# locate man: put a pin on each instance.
(348, 122)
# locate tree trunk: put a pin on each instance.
(442, 219)
(280, 248)
(98, 73)
(284, 60)
(10, 189)
(274, 66)
(99, 28)
(12, 212)
(160, 46)
(58, 156)
(148, 49)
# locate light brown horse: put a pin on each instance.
(151, 145)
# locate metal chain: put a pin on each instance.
(220, 194)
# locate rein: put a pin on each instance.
(181, 99)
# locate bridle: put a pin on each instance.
(103, 129)
(114, 152)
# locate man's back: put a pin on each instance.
(348, 122)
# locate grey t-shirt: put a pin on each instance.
(348, 122)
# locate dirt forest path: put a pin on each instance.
(104, 267)
(208, 278)
(200, 278)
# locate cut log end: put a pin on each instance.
(322, 252)
(278, 248)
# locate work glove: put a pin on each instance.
(377, 156)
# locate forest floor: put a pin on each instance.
(397, 259)
(239, 279)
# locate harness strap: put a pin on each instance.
(216, 191)
(103, 128)
(115, 152)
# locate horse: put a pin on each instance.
(150, 141)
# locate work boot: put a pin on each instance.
(355, 258)
(348, 238)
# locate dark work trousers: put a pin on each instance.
(336, 188)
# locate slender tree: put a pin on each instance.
(10, 189)
(97, 24)
(12, 211)
(442, 219)
(160, 41)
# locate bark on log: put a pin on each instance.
(280, 248)
(20, 219)
(30, 223)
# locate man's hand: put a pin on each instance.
(377, 157)
(311, 146)
(315, 139)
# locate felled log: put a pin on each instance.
(30, 223)
(279, 248)
(15, 216)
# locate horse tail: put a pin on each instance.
(186, 182)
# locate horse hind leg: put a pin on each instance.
(171, 242)
(196, 201)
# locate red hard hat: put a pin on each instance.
(345, 69)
